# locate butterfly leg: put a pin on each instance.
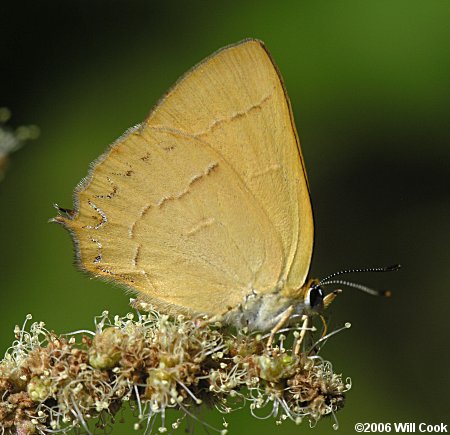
(325, 326)
(284, 318)
(304, 328)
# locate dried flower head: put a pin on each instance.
(11, 140)
(51, 383)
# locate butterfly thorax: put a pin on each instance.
(262, 312)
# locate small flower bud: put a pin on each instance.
(39, 389)
(105, 352)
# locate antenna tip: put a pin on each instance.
(393, 268)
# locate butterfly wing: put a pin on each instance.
(207, 199)
(236, 102)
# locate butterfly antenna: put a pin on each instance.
(329, 280)
(361, 287)
(392, 268)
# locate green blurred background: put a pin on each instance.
(369, 85)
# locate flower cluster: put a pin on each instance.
(11, 140)
(53, 383)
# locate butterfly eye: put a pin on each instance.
(314, 298)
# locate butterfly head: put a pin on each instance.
(314, 297)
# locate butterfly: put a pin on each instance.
(205, 207)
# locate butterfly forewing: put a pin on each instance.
(207, 200)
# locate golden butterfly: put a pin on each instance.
(205, 208)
